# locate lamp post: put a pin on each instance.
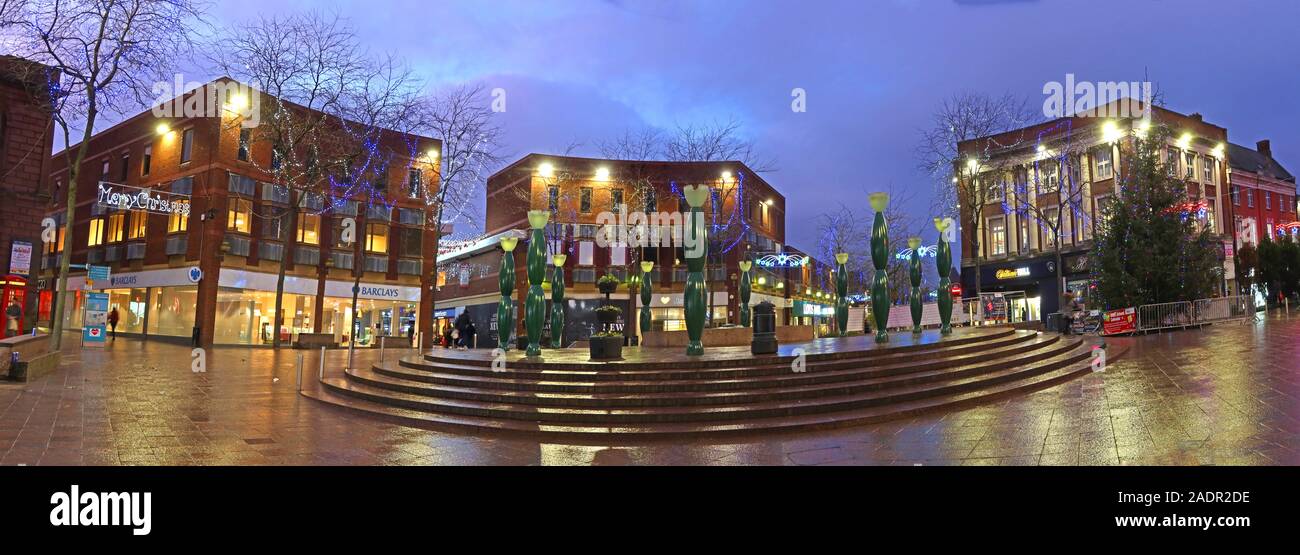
(914, 265)
(943, 261)
(841, 293)
(697, 249)
(535, 304)
(880, 258)
(745, 265)
(506, 280)
(557, 301)
(646, 267)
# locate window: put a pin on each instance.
(1101, 204)
(1250, 198)
(136, 225)
(553, 198)
(997, 236)
(56, 246)
(116, 227)
(187, 145)
(126, 164)
(411, 241)
(715, 200)
(146, 160)
(309, 228)
(1207, 166)
(96, 232)
(103, 171)
(1171, 161)
(996, 192)
(615, 199)
(1268, 200)
(274, 224)
(651, 204)
(1189, 163)
(1048, 177)
(1053, 217)
(1025, 235)
(1210, 206)
(584, 200)
(414, 181)
(245, 135)
(1105, 166)
(377, 238)
(240, 215)
(177, 222)
(1236, 195)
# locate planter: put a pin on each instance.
(605, 317)
(606, 348)
(607, 288)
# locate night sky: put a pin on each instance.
(874, 70)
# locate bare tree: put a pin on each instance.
(462, 118)
(718, 141)
(962, 117)
(330, 116)
(102, 57)
(1051, 186)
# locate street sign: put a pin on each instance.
(97, 273)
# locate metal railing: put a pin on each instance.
(1184, 314)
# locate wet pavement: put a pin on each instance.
(1224, 395)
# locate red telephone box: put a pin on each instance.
(13, 293)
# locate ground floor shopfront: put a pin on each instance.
(1025, 290)
(164, 304)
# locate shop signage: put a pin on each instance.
(1123, 320)
(20, 258)
(380, 292)
(1012, 273)
(127, 197)
(782, 260)
(95, 319)
(195, 274)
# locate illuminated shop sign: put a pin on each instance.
(782, 260)
(127, 197)
(1010, 273)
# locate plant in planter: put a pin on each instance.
(607, 284)
(608, 314)
(606, 345)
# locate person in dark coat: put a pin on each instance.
(461, 326)
(113, 317)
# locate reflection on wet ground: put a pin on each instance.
(1225, 395)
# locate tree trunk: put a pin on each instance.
(291, 216)
(65, 258)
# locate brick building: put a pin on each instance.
(1024, 166)
(236, 234)
(26, 138)
(587, 197)
(1263, 193)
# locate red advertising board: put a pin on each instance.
(1119, 321)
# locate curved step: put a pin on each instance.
(731, 357)
(757, 365)
(846, 382)
(634, 383)
(601, 434)
(758, 410)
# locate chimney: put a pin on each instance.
(1264, 148)
(1197, 116)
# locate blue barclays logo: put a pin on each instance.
(385, 292)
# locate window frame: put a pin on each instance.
(187, 146)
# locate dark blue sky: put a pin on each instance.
(874, 70)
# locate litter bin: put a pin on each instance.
(764, 341)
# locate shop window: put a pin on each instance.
(136, 224)
(309, 229)
(377, 238)
(116, 227)
(240, 215)
(187, 145)
(96, 232)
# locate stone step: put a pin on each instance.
(416, 381)
(741, 411)
(727, 357)
(603, 434)
(757, 365)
